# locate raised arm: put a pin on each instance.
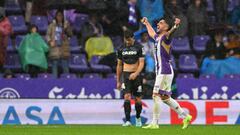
(150, 30)
(119, 72)
(176, 25)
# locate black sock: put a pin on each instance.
(127, 109)
(138, 108)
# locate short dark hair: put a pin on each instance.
(61, 12)
(168, 19)
(31, 27)
(128, 34)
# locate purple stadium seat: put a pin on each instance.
(10, 47)
(91, 75)
(23, 76)
(51, 15)
(232, 4)
(173, 61)
(212, 19)
(181, 45)
(209, 76)
(182, 75)
(95, 59)
(98, 67)
(75, 48)
(18, 24)
(78, 63)
(117, 42)
(210, 6)
(111, 76)
(188, 63)
(12, 7)
(68, 76)
(79, 21)
(19, 39)
(46, 76)
(232, 76)
(41, 22)
(12, 62)
(200, 42)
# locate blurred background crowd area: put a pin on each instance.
(81, 37)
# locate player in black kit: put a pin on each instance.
(130, 63)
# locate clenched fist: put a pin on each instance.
(144, 20)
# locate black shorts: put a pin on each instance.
(133, 87)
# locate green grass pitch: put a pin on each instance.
(117, 130)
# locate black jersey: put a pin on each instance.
(130, 54)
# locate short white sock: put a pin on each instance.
(176, 107)
(156, 109)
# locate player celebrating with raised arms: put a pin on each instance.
(130, 63)
(164, 70)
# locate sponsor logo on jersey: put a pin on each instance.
(129, 53)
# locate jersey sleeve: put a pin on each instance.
(119, 54)
(141, 52)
